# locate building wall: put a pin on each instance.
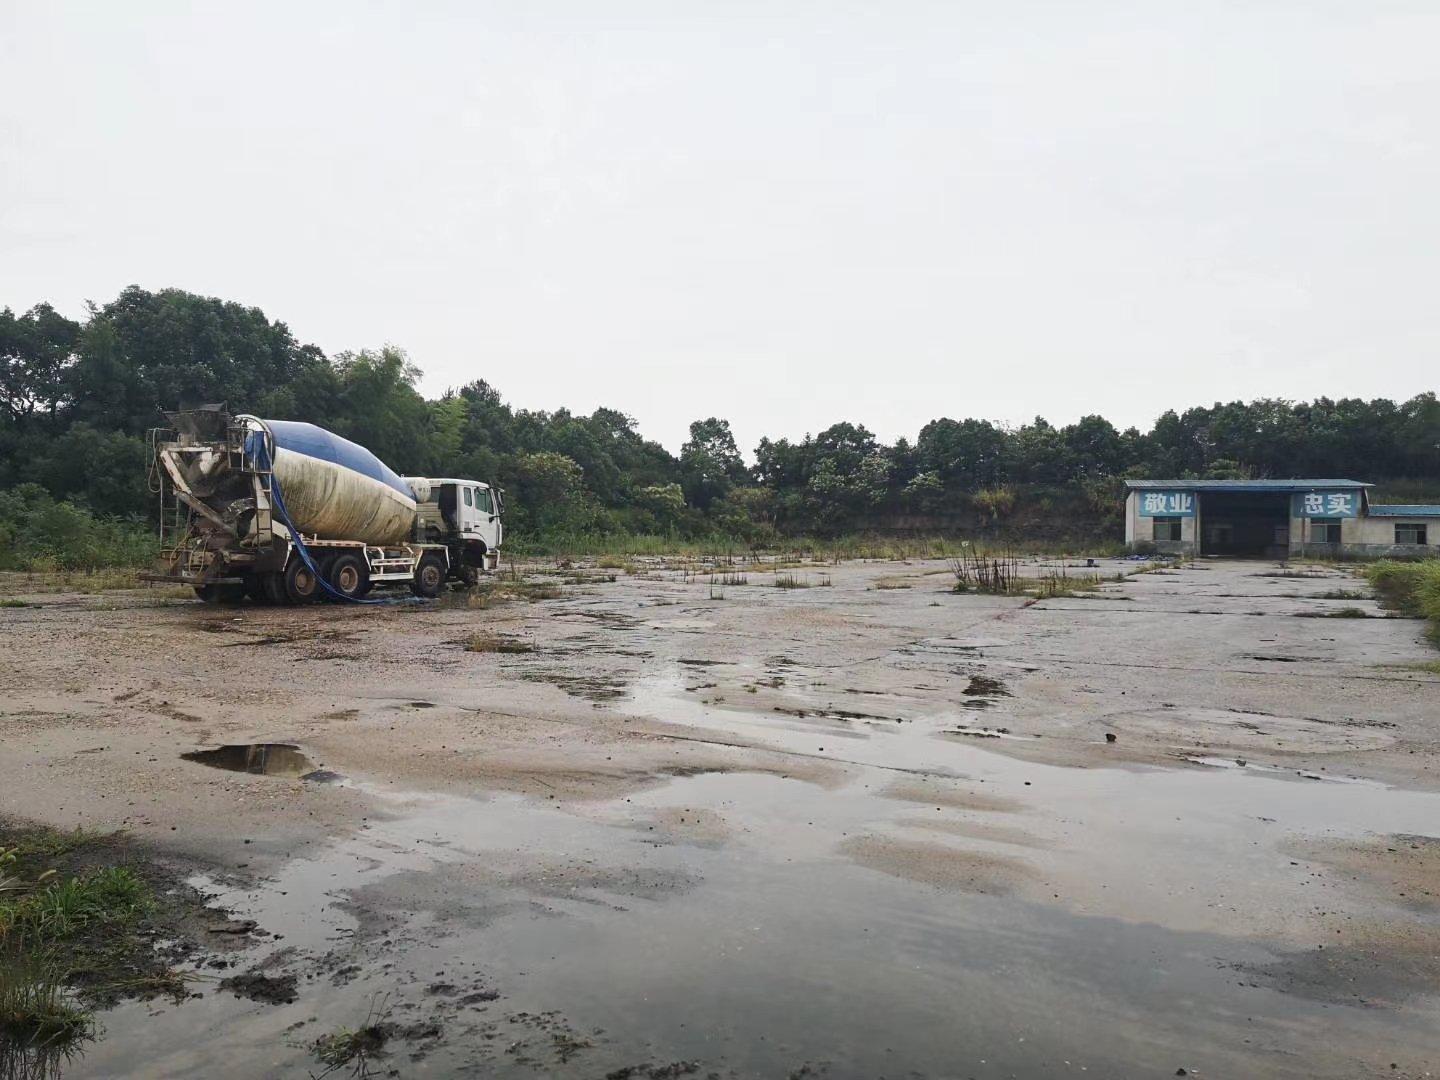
(1360, 537)
(1139, 531)
(1374, 537)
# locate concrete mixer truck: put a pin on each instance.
(287, 512)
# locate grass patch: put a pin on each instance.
(1411, 588)
(1339, 613)
(487, 642)
(790, 580)
(78, 926)
(1341, 594)
(885, 583)
(622, 548)
(1059, 583)
(61, 908)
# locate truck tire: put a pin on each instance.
(429, 577)
(255, 588)
(301, 584)
(220, 594)
(273, 586)
(349, 576)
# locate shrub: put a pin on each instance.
(1411, 588)
(39, 533)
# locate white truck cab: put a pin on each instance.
(464, 515)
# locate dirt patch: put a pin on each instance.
(984, 686)
(597, 688)
(266, 989)
(1402, 868)
(947, 794)
(939, 865)
(1367, 964)
(979, 830)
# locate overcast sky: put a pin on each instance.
(782, 213)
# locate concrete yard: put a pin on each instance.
(868, 828)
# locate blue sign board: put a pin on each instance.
(1167, 503)
(1326, 504)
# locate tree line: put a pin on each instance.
(77, 397)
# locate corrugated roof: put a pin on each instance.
(1274, 486)
(1405, 510)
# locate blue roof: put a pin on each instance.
(316, 442)
(1405, 510)
(1271, 486)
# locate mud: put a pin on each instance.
(763, 835)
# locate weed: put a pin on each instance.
(1059, 583)
(356, 1048)
(979, 571)
(1341, 594)
(35, 1008)
(13, 603)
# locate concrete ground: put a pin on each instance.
(696, 824)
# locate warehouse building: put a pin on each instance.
(1274, 519)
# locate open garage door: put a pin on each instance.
(1245, 524)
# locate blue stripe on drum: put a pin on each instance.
(316, 442)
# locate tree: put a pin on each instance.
(963, 455)
(380, 408)
(710, 463)
(36, 351)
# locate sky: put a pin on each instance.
(782, 213)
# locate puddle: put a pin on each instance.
(263, 759)
(935, 908)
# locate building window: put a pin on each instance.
(1167, 530)
(1410, 534)
(1325, 530)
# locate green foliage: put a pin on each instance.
(710, 463)
(77, 397)
(1412, 588)
(39, 533)
(64, 907)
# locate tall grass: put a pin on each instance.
(1411, 588)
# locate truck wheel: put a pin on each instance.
(301, 584)
(273, 586)
(349, 577)
(255, 588)
(220, 594)
(429, 577)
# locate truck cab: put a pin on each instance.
(465, 516)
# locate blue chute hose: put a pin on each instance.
(264, 464)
